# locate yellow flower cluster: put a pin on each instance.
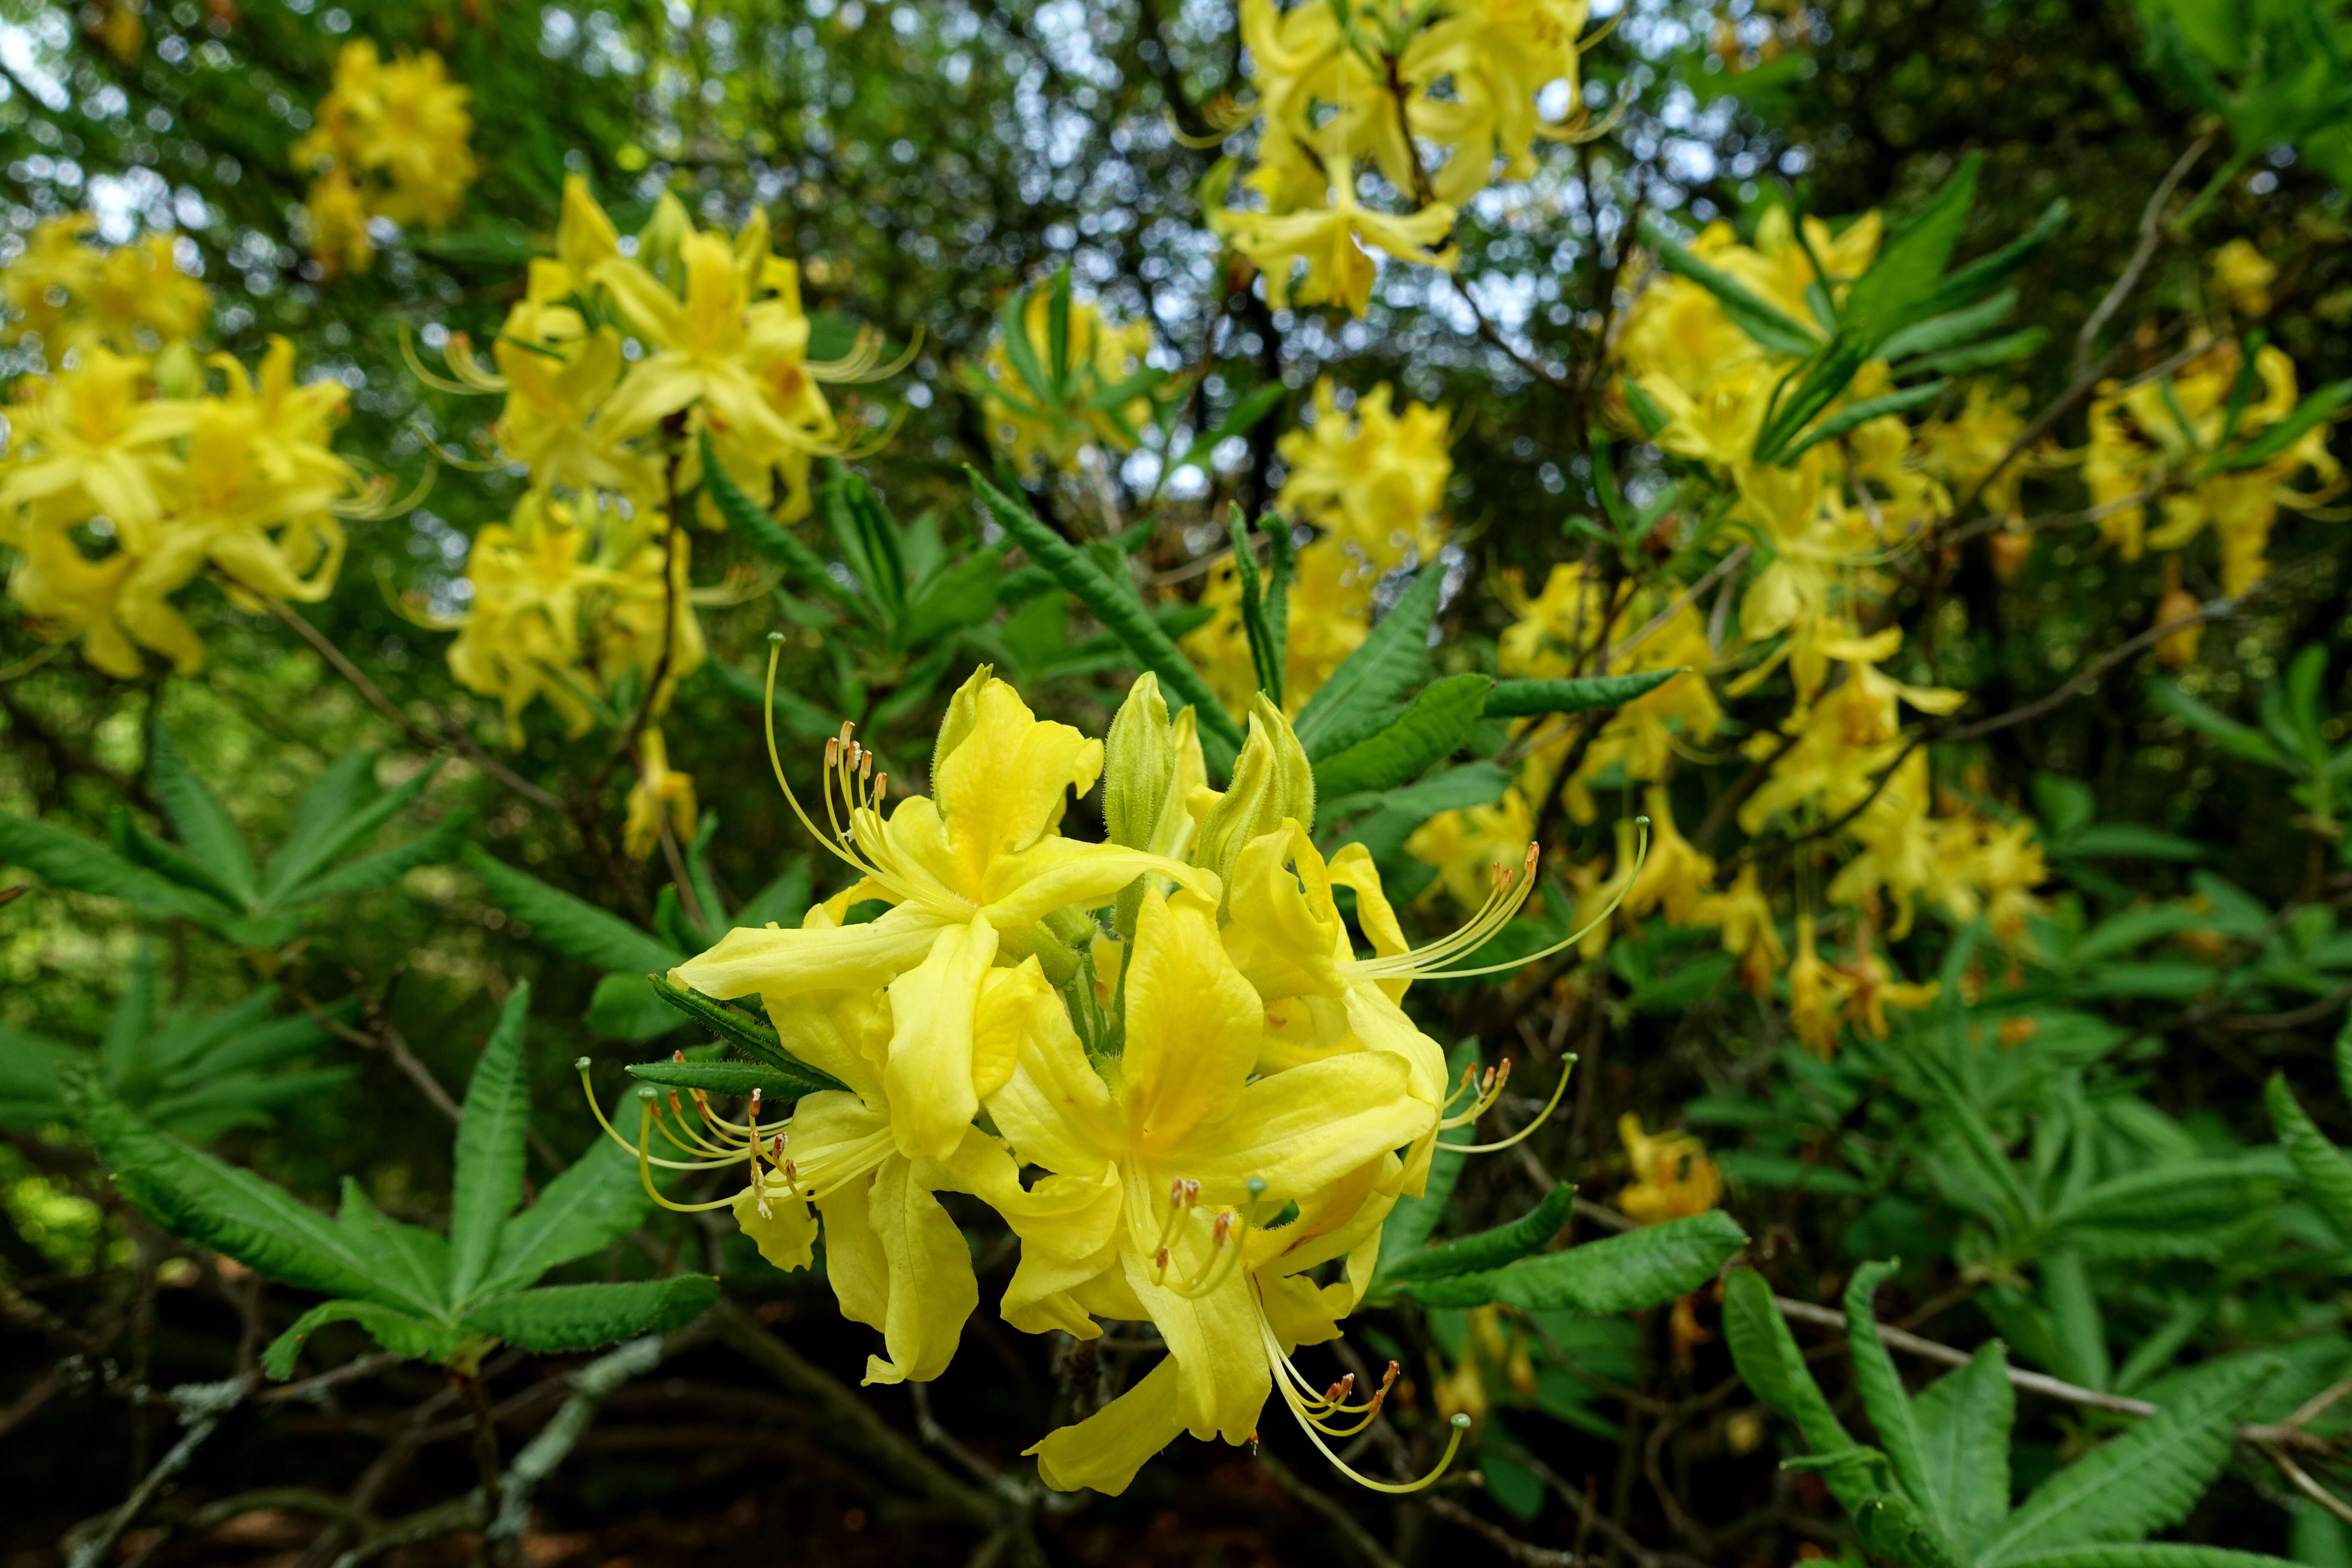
(1184, 1067)
(586, 585)
(390, 141)
(64, 294)
(127, 474)
(1372, 481)
(1351, 87)
(1047, 416)
(1822, 529)
(2157, 436)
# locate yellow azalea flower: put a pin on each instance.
(2243, 276)
(658, 791)
(1676, 875)
(1333, 243)
(968, 875)
(1341, 1221)
(566, 597)
(1099, 357)
(1817, 995)
(1745, 917)
(1673, 1177)
(70, 294)
(1962, 450)
(1873, 989)
(1367, 476)
(1119, 1227)
(94, 433)
(391, 141)
(896, 1258)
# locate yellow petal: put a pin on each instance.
(1013, 1003)
(784, 1234)
(1222, 1378)
(1054, 1108)
(1302, 1129)
(931, 1286)
(781, 964)
(928, 1077)
(1192, 1022)
(1103, 1451)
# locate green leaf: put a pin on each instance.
(1528, 698)
(1385, 667)
(1889, 1407)
(750, 521)
(2323, 404)
(1765, 323)
(572, 926)
(582, 1317)
(1493, 1249)
(395, 1330)
(66, 860)
(1950, 329)
(625, 1008)
(202, 822)
(416, 1260)
(1773, 1367)
(1910, 268)
(1891, 1527)
(2238, 740)
(962, 595)
(373, 870)
(1120, 611)
(1243, 416)
(122, 1050)
(1473, 783)
(2151, 1555)
(1963, 1419)
(746, 1033)
(1965, 282)
(29, 1093)
(289, 870)
(2325, 1172)
(598, 1200)
(1426, 734)
(490, 1136)
(2122, 838)
(2148, 1478)
(341, 789)
(1862, 412)
(2079, 1333)
(168, 860)
(1411, 1222)
(1627, 1273)
(2167, 1210)
(215, 1204)
(1826, 378)
(1977, 356)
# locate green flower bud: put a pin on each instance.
(1151, 764)
(1272, 783)
(178, 372)
(664, 232)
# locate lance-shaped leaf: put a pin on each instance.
(1494, 1249)
(490, 1136)
(728, 1077)
(197, 816)
(570, 925)
(1854, 414)
(413, 1259)
(1963, 1419)
(1889, 1409)
(2326, 1175)
(1473, 783)
(598, 1200)
(1426, 734)
(582, 1317)
(1125, 615)
(746, 1033)
(1909, 268)
(1774, 1369)
(399, 1332)
(66, 859)
(1382, 671)
(374, 870)
(142, 848)
(1968, 281)
(2148, 1478)
(1528, 698)
(216, 1205)
(305, 855)
(1627, 1273)
(1949, 330)
(2322, 403)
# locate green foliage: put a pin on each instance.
(417, 1292)
(1934, 1494)
(208, 875)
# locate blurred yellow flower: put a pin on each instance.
(1673, 1177)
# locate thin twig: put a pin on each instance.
(1350, 1530)
(1729, 563)
(2151, 234)
(1503, 1541)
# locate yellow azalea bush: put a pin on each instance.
(391, 140)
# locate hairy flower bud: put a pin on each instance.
(1151, 764)
(1272, 783)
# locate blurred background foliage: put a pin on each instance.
(922, 163)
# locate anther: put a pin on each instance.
(1223, 1231)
